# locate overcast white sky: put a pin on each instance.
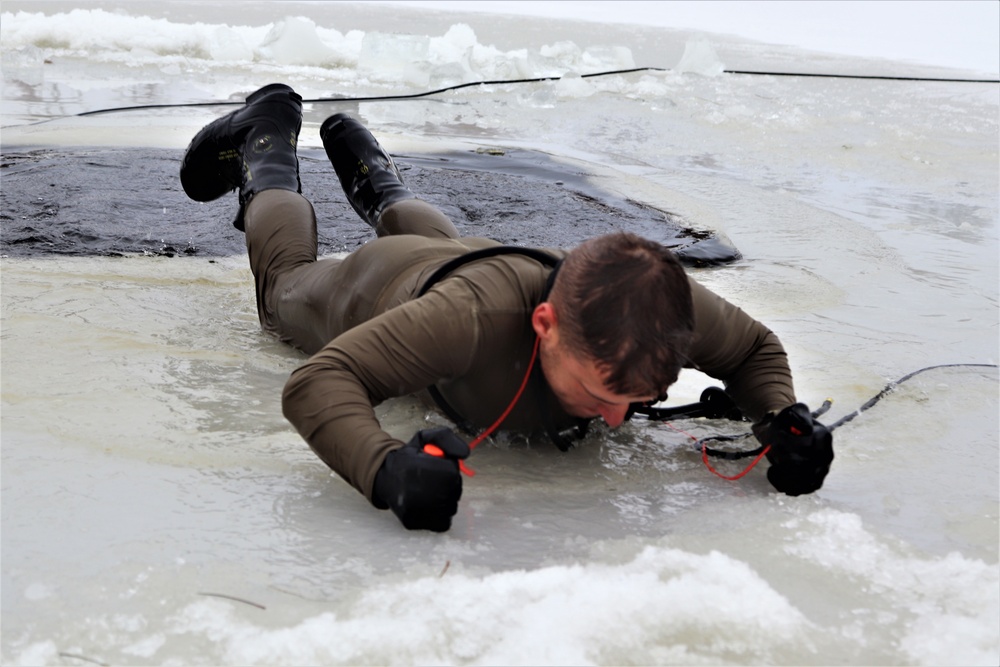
(952, 33)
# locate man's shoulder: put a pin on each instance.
(509, 281)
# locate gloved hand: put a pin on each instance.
(422, 488)
(801, 449)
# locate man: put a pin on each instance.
(504, 338)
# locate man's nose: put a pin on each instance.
(613, 415)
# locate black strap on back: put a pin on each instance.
(475, 255)
(448, 267)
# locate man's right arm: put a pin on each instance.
(330, 399)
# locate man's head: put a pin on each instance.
(617, 326)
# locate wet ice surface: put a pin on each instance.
(182, 479)
(146, 463)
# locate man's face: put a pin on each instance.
(578, 384)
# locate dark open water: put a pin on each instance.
(119, 201)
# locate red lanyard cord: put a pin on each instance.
(517, 396)
(704, 456)
(485, 434)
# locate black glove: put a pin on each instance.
(423, 487)
(801, 450)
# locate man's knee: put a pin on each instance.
(415, 216)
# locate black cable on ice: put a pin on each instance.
(731, 455)
(892, 385)
(504, 82)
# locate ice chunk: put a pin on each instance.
(699, 58)
(38, 591)
(25, 64)
(396, 57)
(227, 44)
(598, 58)
(564, 52)
(293, 41)
(451, 56)
(573, 85)
(456, 43)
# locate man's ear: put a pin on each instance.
(545, 323)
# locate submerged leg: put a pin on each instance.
(302, 301)
(281, 245)
(253, 150)
(308, 302)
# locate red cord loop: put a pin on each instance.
(524, 383)
(704, 457)
(485, 434)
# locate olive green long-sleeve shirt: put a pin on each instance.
(471, 336)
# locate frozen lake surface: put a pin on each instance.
(157, 509)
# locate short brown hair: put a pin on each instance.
(625, 303)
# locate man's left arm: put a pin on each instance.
(731, 346)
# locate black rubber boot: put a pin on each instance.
(368, 175)
(251, 149)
